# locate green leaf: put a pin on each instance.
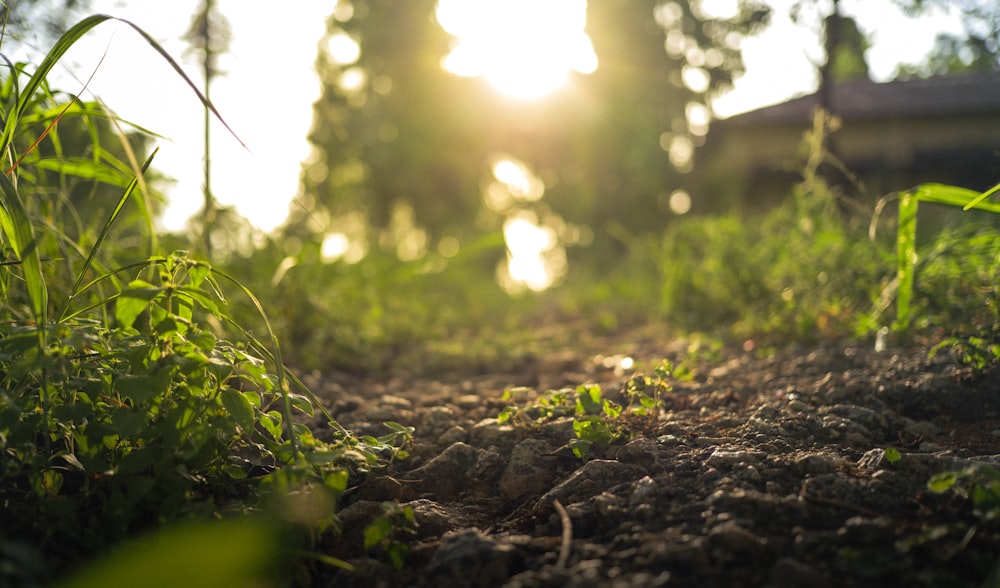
(132, 301)
(301, 403)
(377, 531)
(73, 412)
(142, 388)
(337, 480)
(17, 227)
(129, 423)
(989, 472)
(252, 397)
(957, 197)
(239, 408)
(506, 414)
(978, 201)
(135, 461)
(942, 482)
(892, 455)
(241, 552)
(85, 168)
(271, 421)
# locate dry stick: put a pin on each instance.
(567, 534)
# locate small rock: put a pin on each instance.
(788, 572)
(813, 464)
(455, 434)
(395, 401)
(434, 520)
(590, 480)
(645, 491)
(873, 459)
(445, 476)
(470, 558)
(867, 531)
(488, 433)
(437, 419)
(726, 458)
(381, 489)
(641, 452)
(529, 470)
(871, 420)
(920, 428)
(731, 537)
(468, 401)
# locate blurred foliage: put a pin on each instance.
(208, 36)
(392, 126)
(35, 22)
(978, 49)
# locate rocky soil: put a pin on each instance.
(762, 470)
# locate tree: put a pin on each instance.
(977, 50)
(209, 36)
(845, 43)
(393, 127)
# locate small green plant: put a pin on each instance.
(645, 393)
(112, 429)
(906, 240)
(382, 536)
(598, 421)
(979, 482)
(697, 353)
(977, 351)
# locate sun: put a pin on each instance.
(524, 48)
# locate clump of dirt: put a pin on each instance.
(760, 471)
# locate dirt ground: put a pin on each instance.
(763, 469)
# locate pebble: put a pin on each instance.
(468, 401)
(529, 470)
(445, 476)
(591, 479)
(788, 572)
(725, 458)
(455, 434)
(471, 558)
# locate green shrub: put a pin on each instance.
(130, 398)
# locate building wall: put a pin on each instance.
(748, 165)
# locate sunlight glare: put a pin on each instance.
(680, 202)
(534, 258)
(335, 246)
(343, 49)
(522, 184)
(525, 48)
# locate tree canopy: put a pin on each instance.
(393, 128)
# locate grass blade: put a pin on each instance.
(977, 202)
(59, 49)
(958, 197)
(104, 233)
(906, 257)
(276, 351)
(16, 226)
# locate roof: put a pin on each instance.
(969, 93)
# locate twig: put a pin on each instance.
(567, 534)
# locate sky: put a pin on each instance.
(270, 85)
